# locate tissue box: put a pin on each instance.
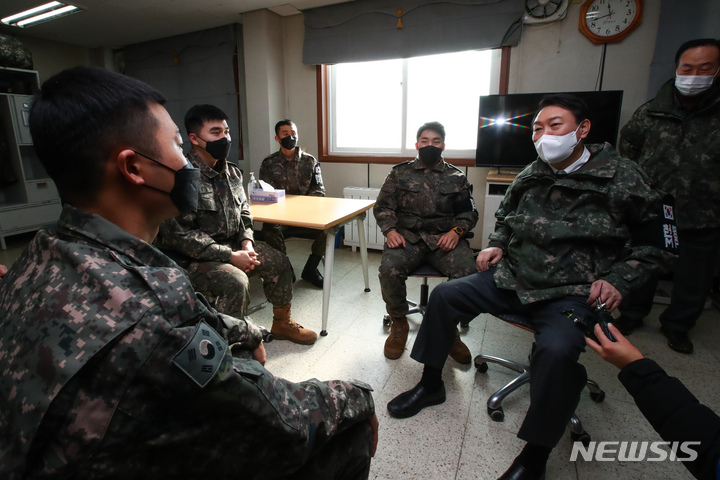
(267, 196)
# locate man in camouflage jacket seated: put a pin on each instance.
(578, 226)
(112, 366)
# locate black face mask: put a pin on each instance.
(430, 154)
(184, 193)
(218, 149)
(289, 142)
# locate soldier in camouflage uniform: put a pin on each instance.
(298, 173)
(561, 242)
(425, 210)
(111, 365)
(216, 244)
(674, 137)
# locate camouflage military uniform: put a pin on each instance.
(111, 367)
(422, 205)
(559, 235)
(14, 54)
(299, 176)
(680, 151)
(208, 238)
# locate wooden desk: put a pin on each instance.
(320, 213)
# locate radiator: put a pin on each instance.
(374, 236)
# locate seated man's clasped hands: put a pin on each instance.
(216, 243)
(118, 369)
(425, 210)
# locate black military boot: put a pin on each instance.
(311, 272)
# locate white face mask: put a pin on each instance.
(691, 85)
(554, 149)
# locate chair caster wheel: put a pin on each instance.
(597, 397)
(386, 320)
(481, 367)
(583, 437)
(496, 414)
(464, 324)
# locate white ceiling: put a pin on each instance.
(116, 23)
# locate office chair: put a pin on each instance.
(424, 271)
(494, 403)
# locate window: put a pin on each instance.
(372, 110)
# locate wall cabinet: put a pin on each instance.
(28, 197)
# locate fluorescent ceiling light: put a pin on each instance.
(42, 13)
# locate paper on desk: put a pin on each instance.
(266, 187)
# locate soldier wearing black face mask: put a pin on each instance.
(129, 372)
(298, 173)
(425, 210)
(216, 243)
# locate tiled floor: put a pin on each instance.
(457, 440)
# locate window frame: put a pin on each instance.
(323, 89)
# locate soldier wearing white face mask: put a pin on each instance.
(674, 137)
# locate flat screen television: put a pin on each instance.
(504, 138)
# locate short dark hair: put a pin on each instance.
(196, 117)
(80, 116)
(282, 123)
(569, 102)
(436, 127)
(698, 42)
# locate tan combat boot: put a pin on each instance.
(285, 328)
(459, 351)
(395, 343)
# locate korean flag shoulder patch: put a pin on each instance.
(200, 358)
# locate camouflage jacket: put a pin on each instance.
(424, 204)
(112, 367)
(222, 221)
(679, 149)
(299, 176)
(559, 235)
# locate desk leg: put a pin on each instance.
(329, 257)
(363, 249)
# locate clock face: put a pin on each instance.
(608, 18)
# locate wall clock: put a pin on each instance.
(545, 11)
(607, 21)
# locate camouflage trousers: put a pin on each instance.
(274, 235)
(345, 457)
(398, 263)
(230, 285)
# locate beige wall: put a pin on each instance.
(50, 58)
(557, 57)
(552, 57)
(264, 51)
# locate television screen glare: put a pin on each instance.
(505, 126)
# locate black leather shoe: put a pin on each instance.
(411, 402)
(519, 472)
(313, 276)
(678, 341)
(627, 325)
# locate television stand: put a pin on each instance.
(508, 171)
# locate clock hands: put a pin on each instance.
(593, 17)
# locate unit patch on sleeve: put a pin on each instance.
(200, 358)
